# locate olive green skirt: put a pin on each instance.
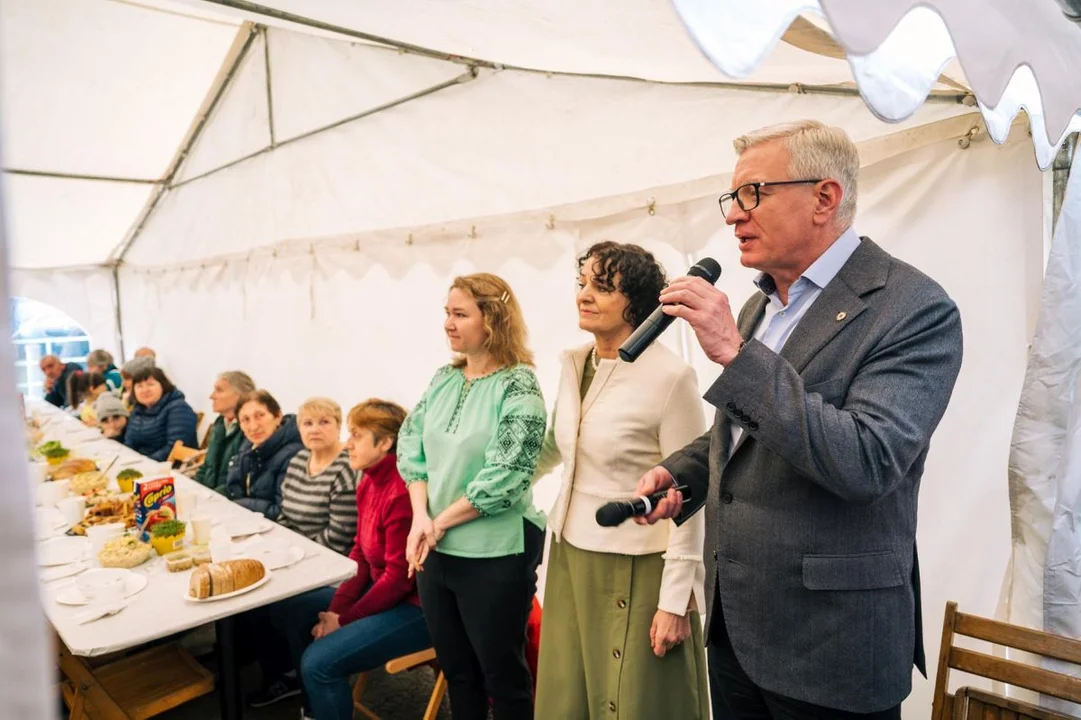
(596, 660)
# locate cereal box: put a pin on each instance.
(155, 501)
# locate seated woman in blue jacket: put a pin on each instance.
(270, 442)
(160, 417)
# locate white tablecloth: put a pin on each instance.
(160, 609)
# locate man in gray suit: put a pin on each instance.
(835, 376)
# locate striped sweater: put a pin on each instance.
(322, 508)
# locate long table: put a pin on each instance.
(160, 610)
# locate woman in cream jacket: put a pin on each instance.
(621, 604)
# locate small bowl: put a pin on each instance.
(178, 561)
(102, 585)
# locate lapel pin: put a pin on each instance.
(841, 316)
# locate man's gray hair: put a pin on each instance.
(101, 358)
(239, 381)
(817, 150)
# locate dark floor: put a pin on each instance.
(393, 697)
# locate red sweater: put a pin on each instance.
(384, 517)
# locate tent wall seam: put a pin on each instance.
(255, 8)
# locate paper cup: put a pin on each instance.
(37, 472)
(200, 530)
(186, 502)
(50, 493)
(72, 509)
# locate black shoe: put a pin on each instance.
(282, 688)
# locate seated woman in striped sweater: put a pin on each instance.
(319, 489)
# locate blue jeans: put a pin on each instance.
(279, 633)
(362, 645)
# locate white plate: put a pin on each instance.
(62, 571)
(226, 596)
(274, 556)
(133, 583)
(247, 526)
(61, 551)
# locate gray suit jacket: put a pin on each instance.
(811, 520)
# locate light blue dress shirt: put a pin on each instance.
(780, 320)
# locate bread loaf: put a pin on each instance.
(224, 577)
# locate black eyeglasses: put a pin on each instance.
(748, 196)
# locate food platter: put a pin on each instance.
(214, 598)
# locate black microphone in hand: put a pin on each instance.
(614, 513)
(651, 328)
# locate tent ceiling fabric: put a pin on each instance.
(307, 97)
(898, 47)
(506, 142)
(62, 223)
(101, 88)
(110, 88)
(240, 124)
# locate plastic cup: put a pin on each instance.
(200, 530)
(72, 509)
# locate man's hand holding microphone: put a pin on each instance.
(654, 481)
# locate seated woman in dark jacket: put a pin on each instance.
(224, 435)
(161, 416)
(270, 442)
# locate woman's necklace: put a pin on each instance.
(593, 358)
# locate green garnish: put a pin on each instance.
(129, 474)
(168, 528)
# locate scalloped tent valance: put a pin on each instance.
(1014, 55)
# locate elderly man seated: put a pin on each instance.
(56, 379)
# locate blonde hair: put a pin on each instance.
(502, 317)
(382, 417)
(816, 150)
(321, 407)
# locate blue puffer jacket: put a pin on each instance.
(256, 474)
(154, 430)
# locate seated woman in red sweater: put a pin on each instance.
(375, 616)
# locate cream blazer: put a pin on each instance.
(633, 416)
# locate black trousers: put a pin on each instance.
(736, 697)
(477, 610)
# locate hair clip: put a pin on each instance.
(505, 297)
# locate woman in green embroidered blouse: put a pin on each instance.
(468, 453)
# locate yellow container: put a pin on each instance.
(167, 544)
(127, 485)
(56, 459)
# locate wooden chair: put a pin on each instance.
(974, 704)
(135, 687)
(181, 454)
(397, 665)
(970, 702)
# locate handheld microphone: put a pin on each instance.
(614, 513)
(651, 328)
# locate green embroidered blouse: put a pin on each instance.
(479, 439)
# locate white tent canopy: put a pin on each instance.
(288, 194)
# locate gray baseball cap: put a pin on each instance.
(109, 405)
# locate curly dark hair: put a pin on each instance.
(641, 277)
